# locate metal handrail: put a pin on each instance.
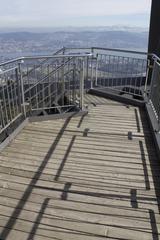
(95, 76)
(44, 57)
(111, 49)
(53, 72)
(43, 62)
(120, 50)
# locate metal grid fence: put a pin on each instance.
(40, 84)
(53, 85)
(114, 69)
(10, 104)
(154, 95)
(57, 82)
(120, 73)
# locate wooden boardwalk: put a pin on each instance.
(82, 178)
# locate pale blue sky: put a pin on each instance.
(58, 13)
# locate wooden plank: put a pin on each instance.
(86, 144)
(100, 185)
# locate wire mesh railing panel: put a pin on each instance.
(29, 84)
(154, 96)
(58, 81)
(10, 97)
(115, 69)
(53, 85)
(120, 73)
(40, 63)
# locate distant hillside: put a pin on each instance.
(27, 43)
(21, 36)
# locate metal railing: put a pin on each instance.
(54, 86)
(56, 83)
(10, 95)
(125, 72)
(154, 93)
(115, 69)
(40, 84)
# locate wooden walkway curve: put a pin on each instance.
(82, 178)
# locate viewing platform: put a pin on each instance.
(80, 146)
(94, 175)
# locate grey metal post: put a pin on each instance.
(22, 88)
(62, 80)
(147, 74)
(96, 69)
(18, 89)
(64, 50)
(92, 50)
(87, 70)
(74, 83)
(152, 85)
(2, 123)
(82, 85)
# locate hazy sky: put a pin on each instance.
(55, 13)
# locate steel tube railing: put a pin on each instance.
(92, 49)
(44, 57)
(154, 94)
(120, 50)
(38, 83)
(41, 88)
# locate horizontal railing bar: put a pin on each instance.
(111, 49)
(57, 56)
(11, 121)
(11, 61)
(8, 70)
(47, 108)
(121, 50)
(46, 56)
(123, 57)
(77, 48)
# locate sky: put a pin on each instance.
(64, 13)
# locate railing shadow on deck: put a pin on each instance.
(133, 197)
(10, 224)
(67, 190)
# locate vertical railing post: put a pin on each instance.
(63, 77)
(152, 81)
(92, 51)
(87, 72)
(62, 81)
(22, 88)
(18, 89)
(96, 82)
(74, 83)
(63, 51)
(147, 76)
(82, 85)
(2, 122)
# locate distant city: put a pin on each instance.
(20, 43)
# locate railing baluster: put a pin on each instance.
(82, 85)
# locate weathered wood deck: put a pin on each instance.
(84, 178)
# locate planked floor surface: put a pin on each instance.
(82, 178)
